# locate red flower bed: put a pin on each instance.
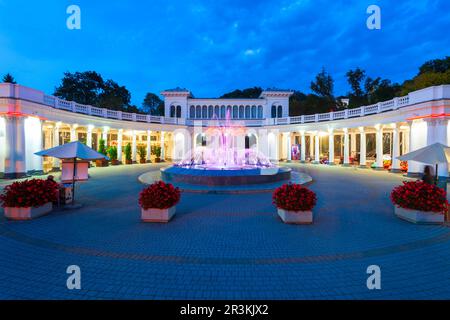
(418, 195)
(294, 197)
(159, 195)
(29, 193)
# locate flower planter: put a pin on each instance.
(127, 161)
(157, 215)
(142, 161)
(419, 217)
(115, 162)
(157, 160)
(295, 217)
(101, 163)
(27, 213)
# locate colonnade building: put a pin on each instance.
(369, 136)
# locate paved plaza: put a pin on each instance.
(226, 246)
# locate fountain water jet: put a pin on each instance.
(224, 162)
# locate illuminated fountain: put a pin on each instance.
(224, 161)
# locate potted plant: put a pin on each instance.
(127, 151)
(420, 202)
(158, 202)
(142, 151)
(157, 153)
(294, 203)
(102, 150)
(29, 199)
(112, 154)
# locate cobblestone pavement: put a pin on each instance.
(226, 246)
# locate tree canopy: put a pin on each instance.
(153, 105)
(8, 78)
(249, 93)
(89, 88)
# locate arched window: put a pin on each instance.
(280, 111)
(274, 112)
(178, 111)
(247, 112)
(250, 141)
(192, 112)
(210, 112)
(260, 112)
(200, 140)
(172, 111)
(235, 112)
(198, 112)
(217, 111)
(222, 112)
(241, 112)
(253, 112)
(204, 112)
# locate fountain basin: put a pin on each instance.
(224, 177)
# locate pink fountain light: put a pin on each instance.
(223, 150)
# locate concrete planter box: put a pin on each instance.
(157, 215)
(27, 213)
(296, 217)
(419, 217)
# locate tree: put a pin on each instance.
(249, 93)
(114, 96)
(323, 85)
(89, 88)
(81, 87)
(153, 105)
(431, 73)
(355, 78)
(8, 78)
(374, 90)
(436, 66)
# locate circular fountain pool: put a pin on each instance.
(223, 163)
(208, 176)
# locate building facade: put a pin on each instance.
(31, 121)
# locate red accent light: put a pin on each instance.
(20, 114)
(430, 116)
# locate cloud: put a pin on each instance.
(214, 47)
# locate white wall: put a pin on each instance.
(2, 144)
(33, 143)
(418, 139)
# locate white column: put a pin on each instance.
(437, 132)
(395, 149)
(353, 144)
(56, 161)
(316, 148)
(73, 133)
(133, 147)
(149, 146)
(89, 136)
(119, 145)
(362, 148)
(105, 135)
(15, 159)
(379, 147)
(330, 147)
(311, 146)
(346, 148)
(303, 147)
(162, 146)
(288, 147)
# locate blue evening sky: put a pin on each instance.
(212, 47)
